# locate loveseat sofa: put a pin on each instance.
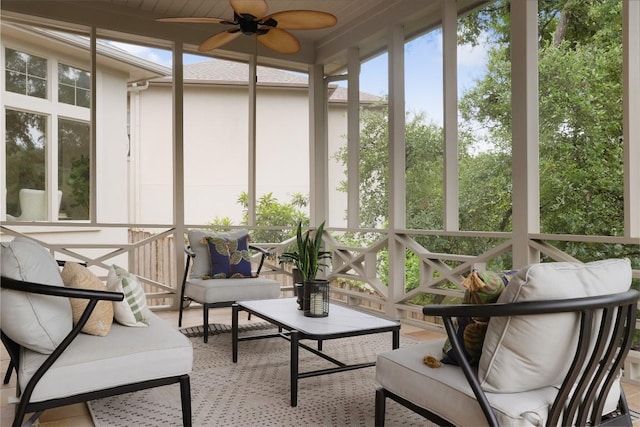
(63, 353)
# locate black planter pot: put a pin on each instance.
(297, 286)
(298, 291)
(297, 276)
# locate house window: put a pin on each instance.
(47, 154)
(25, 74)
(74, 86)
(26, 158)
(74, 167)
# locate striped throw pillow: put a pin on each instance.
(132, 310)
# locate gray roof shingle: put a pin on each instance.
(230, 71)
(221, 71)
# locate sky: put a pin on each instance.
(423, 71)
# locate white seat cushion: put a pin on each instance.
(445, 390)
(127, 355)
(225, 290)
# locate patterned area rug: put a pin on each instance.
(255, 391)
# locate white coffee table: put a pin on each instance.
(342, 322)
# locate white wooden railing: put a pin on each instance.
(354, 269)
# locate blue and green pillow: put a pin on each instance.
(229, 257)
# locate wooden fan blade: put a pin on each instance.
(301, 19)
(218, 40)
(195, 20)
(279, 40)
(257, 8)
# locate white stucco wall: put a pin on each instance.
(337, 136)
(216, 150)
(151, 164)
(112, 146)
(135, 184)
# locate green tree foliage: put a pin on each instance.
(74, 167)
(25, 140)
(424, 154)
(580, 116)
(271, 216)
(78, 180)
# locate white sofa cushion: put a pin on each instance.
(201, 265)
(526, 352)
(39, 322)
(446, 392)
(225, 290)
(125, 356)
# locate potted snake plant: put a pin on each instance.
(307, 256)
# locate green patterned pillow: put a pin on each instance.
(483, 287)
(132, 310)
(229, 257)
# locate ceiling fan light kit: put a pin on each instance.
(250, 18)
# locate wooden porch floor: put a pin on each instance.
(78, 415)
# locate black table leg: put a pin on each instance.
(234, 332)
(205, 322)
(396, 338)
(294, 367)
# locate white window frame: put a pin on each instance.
(49, 107)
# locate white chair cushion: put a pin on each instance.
(125, 356)
(225, 290)
(445, 390)
(526, 352)
(202, 263)
(39, 322)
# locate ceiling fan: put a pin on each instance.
(250, 17)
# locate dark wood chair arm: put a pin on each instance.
(189, 252)
(530, 307)
(62, 262)
(264, 253)
(59, 291)
(259, 249)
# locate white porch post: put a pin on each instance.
(631, 111)
(51, 186)
(318, 146)
(178, 168)
(251, 193)
(93, 181)
(450, 108)
(353, 138)
(397, 181)
(524, 102)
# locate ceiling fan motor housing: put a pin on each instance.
(250, 18)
